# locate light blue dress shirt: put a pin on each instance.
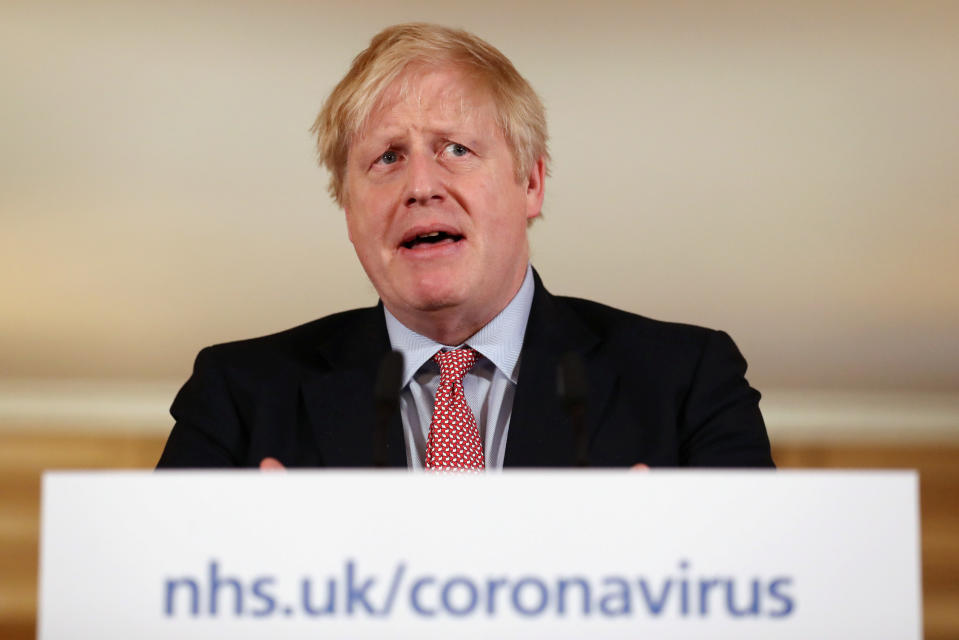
(489, 386)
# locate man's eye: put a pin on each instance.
(457, 149)
(389, 157)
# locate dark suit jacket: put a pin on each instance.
(660, 393)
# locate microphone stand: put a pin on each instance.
(386, 396)
(572, 389)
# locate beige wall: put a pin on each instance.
(789, 174)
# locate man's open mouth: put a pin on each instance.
(431, 238)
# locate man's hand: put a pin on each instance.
(636, 467)
(271, 464)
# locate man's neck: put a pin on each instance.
(452, 326)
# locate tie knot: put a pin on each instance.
(454, 364)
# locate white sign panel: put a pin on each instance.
(666, 554)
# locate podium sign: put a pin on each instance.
(574, 554)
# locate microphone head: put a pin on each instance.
(389, 376)
(571, 384)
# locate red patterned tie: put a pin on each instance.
(454, 441)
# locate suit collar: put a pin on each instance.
(500, 341)
(540, 432)
(358, 340)
(338, 396)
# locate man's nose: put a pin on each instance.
(424, 179)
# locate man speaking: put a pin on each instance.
(437, 152)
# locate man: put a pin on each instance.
(437, 152)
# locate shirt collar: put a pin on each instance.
(500, 341)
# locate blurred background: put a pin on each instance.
(788, 172)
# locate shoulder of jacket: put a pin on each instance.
(610, 321)
(295, 341)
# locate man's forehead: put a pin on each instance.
(445, 94)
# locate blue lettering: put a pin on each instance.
(565, 583)
(471, 596)
(194, 595)
(683, 590)
(751, 609)
(394, 587)
(491, 586)
(704, 587)
(620, 597)
(328, 607)
(415, 597)
(785, 599)
(259, 592)
(356, 593)
(216, 582)
(655, 605)
(218, 593)
(543, 596)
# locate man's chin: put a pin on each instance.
(426, 303)
(436, 302)
(434, 292)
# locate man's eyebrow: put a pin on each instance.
(378, 137)
(447, 133)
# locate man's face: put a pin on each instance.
(433, 207)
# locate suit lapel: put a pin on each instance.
(540, 431)
(338, 396)
(338, 393)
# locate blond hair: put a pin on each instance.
(519, 111)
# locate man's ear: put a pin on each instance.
(535, 188)
(345, 205)
(349, 229)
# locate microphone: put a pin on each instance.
(386, 397)
(572, 389)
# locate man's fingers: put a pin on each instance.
(271, 464)
(639, 467)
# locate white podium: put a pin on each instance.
(571, 554)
